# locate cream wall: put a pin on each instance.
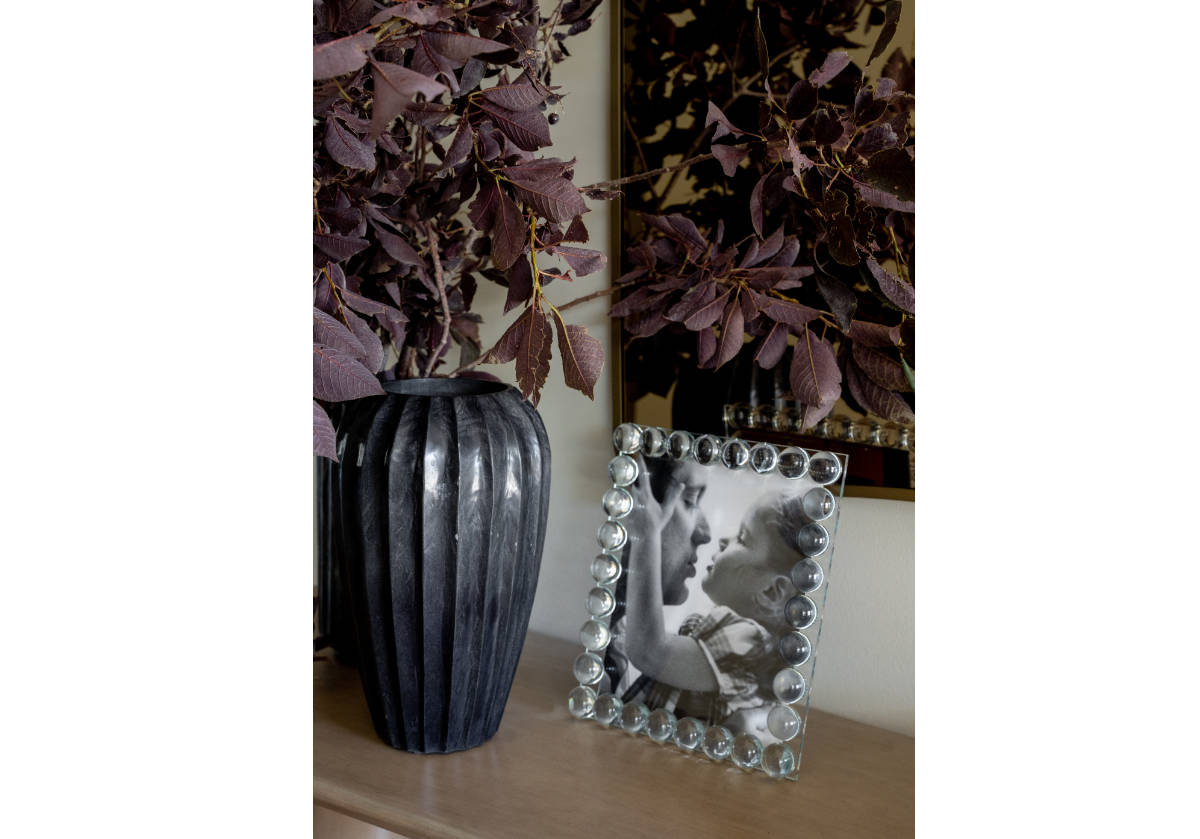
(865, 665)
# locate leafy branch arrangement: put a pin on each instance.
(427, 120)
(805, 238)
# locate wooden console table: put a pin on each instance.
(546, 774)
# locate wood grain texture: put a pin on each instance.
(546, 774)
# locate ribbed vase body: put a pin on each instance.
(444, 490)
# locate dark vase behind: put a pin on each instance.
(444, 489)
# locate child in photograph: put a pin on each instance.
(719, 667)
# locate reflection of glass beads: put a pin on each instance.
(679, 445)
(763, 458)
(793, 463)
(611, 536)
(608, 708)
(735, 454)
(788, 686)
(605, 568)
(800, 611)
(634, 717)
(778, 760)
(654, 442)
(747, 751)
(706, 450)
(795, 648)
(588, 668)
(689, 733)
(600, 602)
(818, 504)
(783, 722)
(718, 742)
(581, 701)
(617, 502)
(661, 725)
(812, 539)
(824, 468)
(623, 470)
(627, 438)
(807, 576)
(594, 635)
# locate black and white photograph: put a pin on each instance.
(718, 604)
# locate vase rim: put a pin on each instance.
(444, 387)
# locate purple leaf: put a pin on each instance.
(732, 333)
(582, 356)
(427, 114)
(800, 161)
(879, 198)
(339, 248)
(527, 129)
(644, 324)
(841, 299)
(519, 96)
(891, 18)
(756, 208)
(460, 146)
(891, 171)
(679, 228)
(834, 63)
(636, 301)
(724, 126)
(583, 261)
(486, 206)
(459, 47)
(345, 55)
(879, 368)
(520, 284)
(346, 148)
(877, 400)
(554, 198)
(329, 331)
(773, 277)
(772, 347)
(708, 315)
(762, 252)
(534, 171)
(801, 99)
(900, 293)
(729, 157)
(338, 375)
(409, 10)
(794, 315)
(874, 334)
(395, 87)
(815, 377)
(576, 231)
(324, 438)
(372, 355)
(875, 138)
(533, 355)
(506, 348)
(693, 300)
(810, 415)
(510, 236)
(397, 248)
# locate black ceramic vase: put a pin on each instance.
(444, 489)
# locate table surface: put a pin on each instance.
(547, 774)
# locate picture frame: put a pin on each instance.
(708, 596)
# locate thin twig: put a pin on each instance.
(441, 287)
(653, 173)
(610, 290)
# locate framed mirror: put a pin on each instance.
(679, 61)
(709, 592)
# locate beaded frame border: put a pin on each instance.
(797, 654)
